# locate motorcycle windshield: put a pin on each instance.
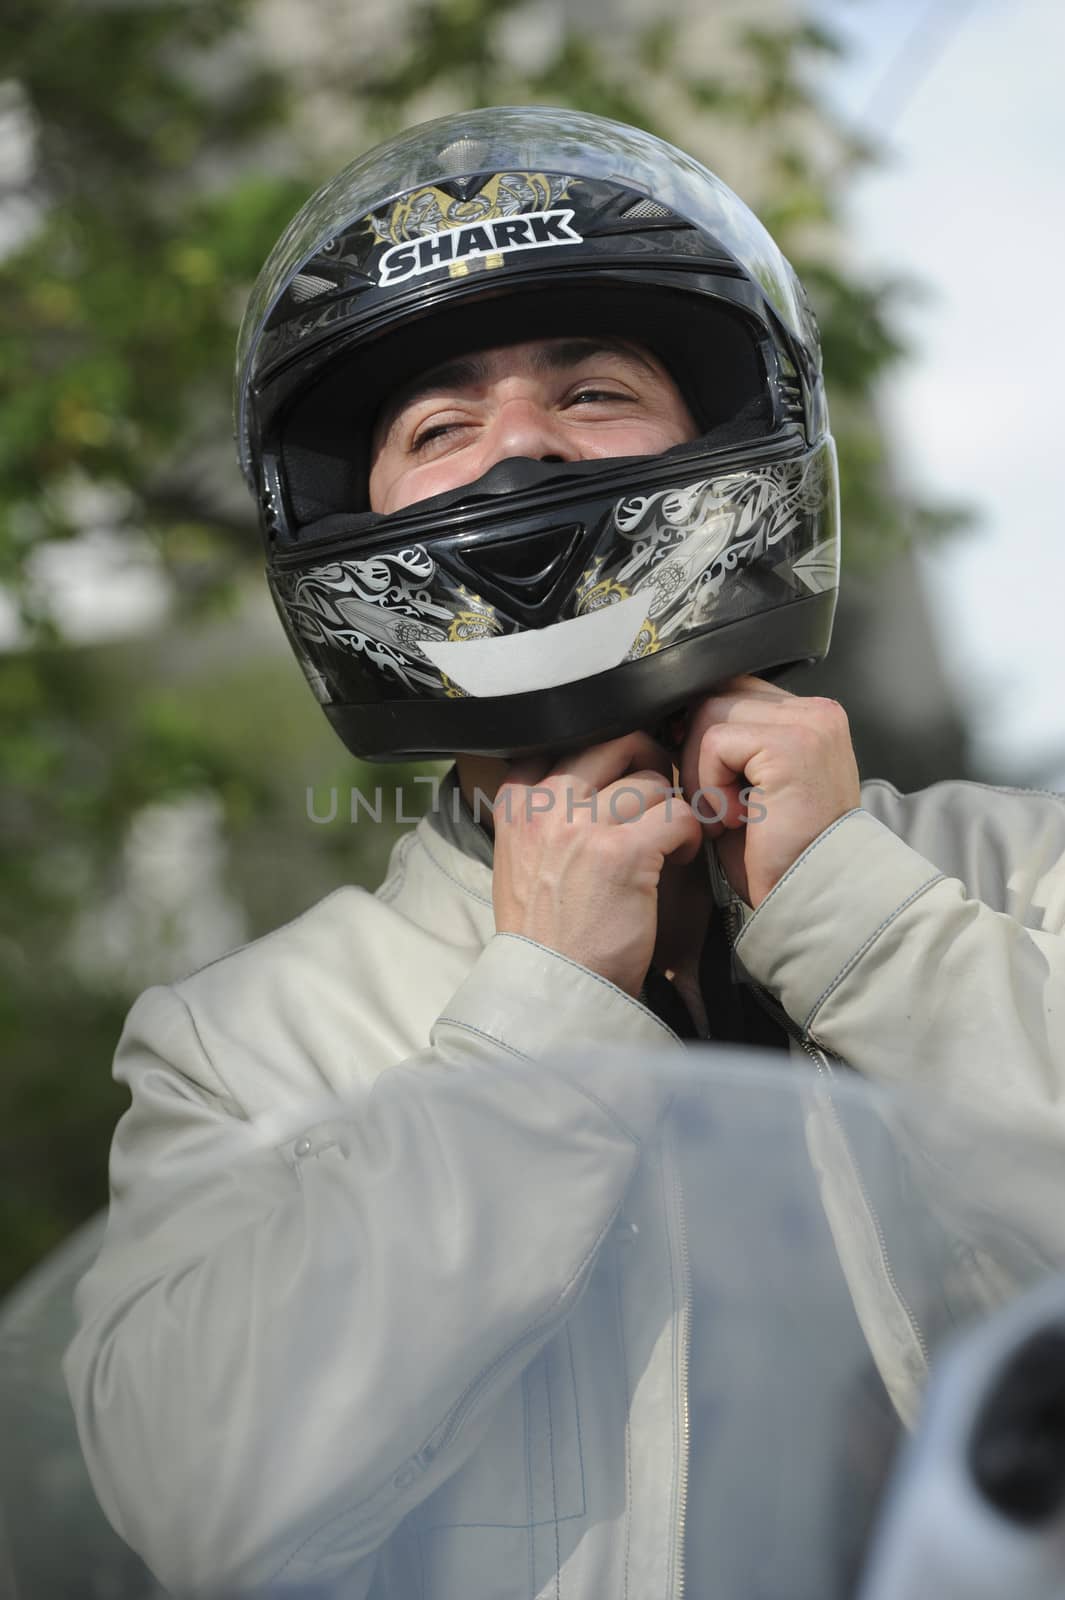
(650, 1319)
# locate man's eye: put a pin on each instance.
(439, 430)
(591, 396)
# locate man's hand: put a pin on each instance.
(580, 852)
(796, 751)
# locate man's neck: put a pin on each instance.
(479, 780)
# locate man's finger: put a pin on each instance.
(601, 764)
(673, 829)
(529, 770)
(630, 796)
(744, 698)
(728, 749)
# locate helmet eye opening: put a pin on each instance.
(722, 363)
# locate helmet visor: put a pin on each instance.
(526, 139)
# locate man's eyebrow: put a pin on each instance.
(464, 372)
(461, 373)
(562, 353)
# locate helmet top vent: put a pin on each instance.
(461, 156)
(646, 210)
(305, 286)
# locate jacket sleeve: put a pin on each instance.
(288, 1343)
(929, 947)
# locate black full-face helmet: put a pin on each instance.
(547, 604)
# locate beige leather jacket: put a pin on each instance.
(277, 1365)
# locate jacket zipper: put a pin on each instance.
(821, 1062)
(820, 1059)
(683, 1377)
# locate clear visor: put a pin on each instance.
(530, 139)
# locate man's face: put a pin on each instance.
(571, 399)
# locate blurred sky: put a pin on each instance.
(970, 99)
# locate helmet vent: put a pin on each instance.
(646, 210)
(792, 397)
(529, 566)
(305, 286)
(462, 156)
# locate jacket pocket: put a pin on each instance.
(492, 1529)
(527, 1468)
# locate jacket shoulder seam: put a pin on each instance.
(205, 1053)
(265, 938)
(212, 1072)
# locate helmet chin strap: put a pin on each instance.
(672, 731)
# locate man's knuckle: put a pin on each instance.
(806, 738)
(830, 711)
(714, 739)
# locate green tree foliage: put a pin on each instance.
(158, 175)
(117, 314)
(118, 310)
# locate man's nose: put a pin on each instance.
(524, 427)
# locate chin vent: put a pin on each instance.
(528, 566)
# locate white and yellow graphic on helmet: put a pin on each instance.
(429, 229)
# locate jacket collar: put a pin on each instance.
(435, 880)
(452, 820)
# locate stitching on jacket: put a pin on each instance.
(530, 1510)
(205, 1053)
(628, 1423)
(882, 783)
(451, 1527)
(387, 891)
(482, 1033)
(937, 877)
(965, 783)
(474, 894)
(806, 854)
(666, 1212)
(519, 1055)
(644, 1011)
(600, 1104)
(264, 938)
(554, 1480)
(577, 1417)
(486, 1371)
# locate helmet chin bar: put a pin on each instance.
(398, 643)
(575, 715)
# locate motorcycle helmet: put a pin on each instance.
(547, 604)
